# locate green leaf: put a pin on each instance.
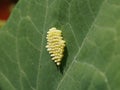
(92, 54)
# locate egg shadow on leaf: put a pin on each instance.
(63, 62)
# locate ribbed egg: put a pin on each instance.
(55, 45)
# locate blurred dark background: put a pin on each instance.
(6, 7)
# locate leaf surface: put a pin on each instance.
(91, 59)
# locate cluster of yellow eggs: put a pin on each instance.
(55, 45)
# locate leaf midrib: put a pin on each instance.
(42, 42)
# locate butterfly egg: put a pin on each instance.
(55, 45)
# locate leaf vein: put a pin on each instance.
(79, 49)
(10, 83)
(45, 19)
